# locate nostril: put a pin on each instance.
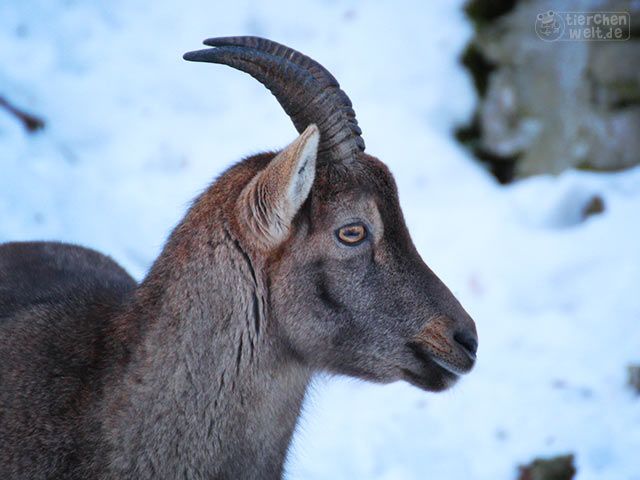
(467, 340)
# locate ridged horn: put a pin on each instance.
(306, 90)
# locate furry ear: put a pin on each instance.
(273, 197)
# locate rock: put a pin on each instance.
(633, 373)
(555, 468)
(595, 206)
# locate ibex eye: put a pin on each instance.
(352, 234)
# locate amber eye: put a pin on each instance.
(352, 234)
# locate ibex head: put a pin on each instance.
(348, 292)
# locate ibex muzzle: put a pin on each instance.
(290, 263)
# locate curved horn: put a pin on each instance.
(305, 89)
(274, 48)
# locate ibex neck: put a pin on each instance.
(208, 391)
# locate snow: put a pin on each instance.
(134, 133)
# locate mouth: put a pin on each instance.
(436, 370)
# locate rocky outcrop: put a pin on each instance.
(546, 106)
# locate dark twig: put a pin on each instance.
(29, 121)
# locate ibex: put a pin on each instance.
(291, 263)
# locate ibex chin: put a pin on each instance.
(290, 263)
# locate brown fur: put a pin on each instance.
(200, 371)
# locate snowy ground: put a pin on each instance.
(133, 133)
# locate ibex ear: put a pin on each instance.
(273, 197)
